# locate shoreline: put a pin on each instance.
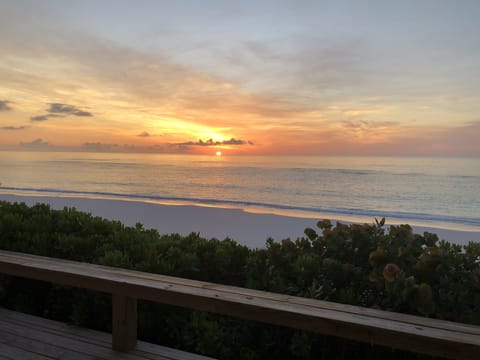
(354, 215)
(250, 228)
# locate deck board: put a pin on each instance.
(400, 331)
(24, 336)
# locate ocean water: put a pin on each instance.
(439, 192)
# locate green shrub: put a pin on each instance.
(368, 265)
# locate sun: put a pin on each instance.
(218, 153)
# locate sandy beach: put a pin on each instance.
(250, 229)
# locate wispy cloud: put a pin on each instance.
(367, 125)
(13, 128)
(292, 91)
(4, 105)
(39, 118)
(58, 108)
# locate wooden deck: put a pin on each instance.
(29, 337)
(400, 331)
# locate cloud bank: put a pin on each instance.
(211, 142)
(37, 144)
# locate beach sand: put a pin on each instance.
(250, 229)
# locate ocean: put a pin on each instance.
(437, 192)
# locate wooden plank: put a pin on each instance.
(175, 301)
(170, 353)
(54, 327)
(143, 350)
(160, 285)
(135, 275)
(14, 353)
(2, 357)
(59, 341)
(434, 337)
(441, 324)
(209, 285)
(124, 322)
(19, 341)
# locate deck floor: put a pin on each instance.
(24, 337)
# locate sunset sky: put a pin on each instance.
(244, 77)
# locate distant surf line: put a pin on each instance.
(251, 206)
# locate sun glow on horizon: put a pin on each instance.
(117, 90)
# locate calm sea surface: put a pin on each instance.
(442, 192)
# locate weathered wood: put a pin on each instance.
(25, 336)
(12, 352)
(36, 340)
(430, 336)
(124, 322)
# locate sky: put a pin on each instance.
(242, 77)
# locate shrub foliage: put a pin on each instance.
(370, 265)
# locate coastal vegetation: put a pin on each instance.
(371, 265)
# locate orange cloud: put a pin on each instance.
(100, 95)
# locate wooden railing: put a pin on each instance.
(418, 334)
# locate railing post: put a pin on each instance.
(124, 322)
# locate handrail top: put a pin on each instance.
(121, 277)
(350, 321)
